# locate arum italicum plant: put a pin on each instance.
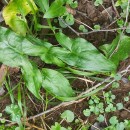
(15, 50)
(75, 55)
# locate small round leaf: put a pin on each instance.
(126, 99)
(68, 115)
(100, 118)
(115, 85)
(87, 112)
(119, 106)
(113, 120)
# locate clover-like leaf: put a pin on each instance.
(113, 120)
(56, 84)
(100, 118)
(68, 115)
(87, 112)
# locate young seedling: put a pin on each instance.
(113, 120)
(100, 118)
(98, 2)
(87, 112)
(83, 29)
(97, 27)
(119, 106)
(126, 99)
(57, 126)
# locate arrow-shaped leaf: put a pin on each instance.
(83, 55)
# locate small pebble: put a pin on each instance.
(124, 80)
(98, 125)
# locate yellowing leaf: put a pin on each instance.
(14, 14)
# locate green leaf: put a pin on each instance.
(14, 112)
(56, 84)
(69, 19)
(14, 15)
(107, 109)
(100, 105)
(120, 46)
(91, 108)
(12, 53)
(90, 102)
(57, 126)
(43, 4)
(98, 2)
(129, 77)
(50, 56)
(118, 3)
(119, 106)
(115, 85)
(127, 124)
(113, 120)
(74, 4)
(97, 27)
(45, 50)
(118, 77)
(56, 9)
(19, 128)
(3, 120)
(81, 27)
(83, 55)
(0, 114)
(68, 115)
(120, 126)
(110, 128)
(32, 77)
(126, 99)
(86, 112)
(100, 118)
(120, 23)
(113, 97)
(128, 29)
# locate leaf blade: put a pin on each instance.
(12, 53)
(56, 9)
(52, 83)
(83, 55)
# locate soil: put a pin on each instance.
(90, 15)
